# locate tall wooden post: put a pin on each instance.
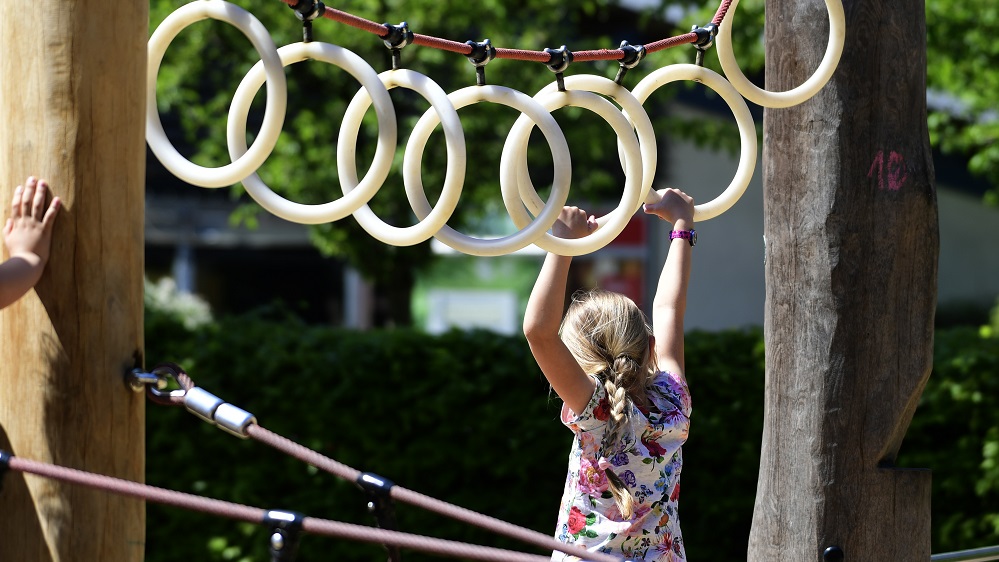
(851, 267)
(72, 79)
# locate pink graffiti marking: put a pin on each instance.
(896, 173)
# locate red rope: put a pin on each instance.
(442, 44)
(515, 54)
(722, 10)
(671, 42)
(256, 515)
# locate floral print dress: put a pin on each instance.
(648, 461)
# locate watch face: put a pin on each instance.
(693, 237)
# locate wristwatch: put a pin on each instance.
(689, 235)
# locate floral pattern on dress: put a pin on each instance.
(648, 461)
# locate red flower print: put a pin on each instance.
(676, 493)
(655, 449)
(602, 411)
(577, 521)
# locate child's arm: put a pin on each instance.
(670, 302)
(27, 235)
(544, 316)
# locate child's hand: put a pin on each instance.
(29, 228)
(573, 223)
(675, 206)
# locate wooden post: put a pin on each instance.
(72, 80)
(851, 268)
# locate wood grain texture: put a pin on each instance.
(72, 108)
(851, 267)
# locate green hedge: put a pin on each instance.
(468, 418)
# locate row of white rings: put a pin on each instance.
(638, 153)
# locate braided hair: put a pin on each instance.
(608, 335)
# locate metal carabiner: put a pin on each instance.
(155, 383)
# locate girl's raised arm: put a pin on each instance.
(544, 316)
(670, 302)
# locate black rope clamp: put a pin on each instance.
(378, 490)
(633, 54)
(482, 53)
(559, 60)
(4, 465)
(286, 530)
(397, 37)
(306, 11)
(705, 39)
(705, 35)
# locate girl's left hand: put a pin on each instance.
(674, 206)
(573, 223)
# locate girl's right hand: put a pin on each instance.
(28, 231)
(674, 206)
(573, 223)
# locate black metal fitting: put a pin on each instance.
(371, 482)
(705, 35)
(397, 36)
(559, 60)
(482, 53)
(286, 531)
(705, 39)
(833, 554)
(306, 11)
(633, 54)
(4, 465)
(378, 490)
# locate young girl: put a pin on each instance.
(624, 393)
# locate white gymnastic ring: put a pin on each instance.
(834, 48)
(277, 94)
(633, 110)
(744, 119)
(384, 152)
(515, 157)
(560, 183)
(454, 177)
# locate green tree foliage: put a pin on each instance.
(468, 418)
(956, 433)
(206, 62)
(961, 59)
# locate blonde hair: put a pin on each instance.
(608, 335)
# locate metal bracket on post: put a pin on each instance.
(4, 465)
(286, 530)
(381, 506)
